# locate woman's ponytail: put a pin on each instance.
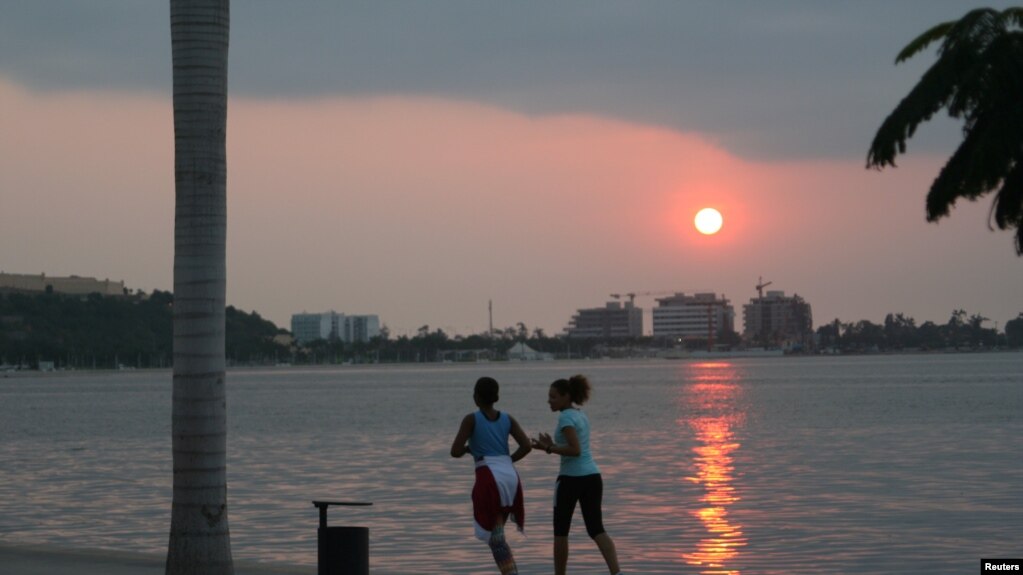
(579, 387)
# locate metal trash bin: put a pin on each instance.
(341, 550)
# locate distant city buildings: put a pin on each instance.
(614, 320)
(308, 327)
(72, 285)
(777, 320)
(700, 316)
(771, 320)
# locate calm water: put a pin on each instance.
(908, 464)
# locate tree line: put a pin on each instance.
(97, 332)
(962, 331)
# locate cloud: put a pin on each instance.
(778, 80)
(423, 209)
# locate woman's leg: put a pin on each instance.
(560, 554)
(502, 552)
(566, 493)
(590, 500)
(607, 549)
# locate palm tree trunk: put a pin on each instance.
(199, 537)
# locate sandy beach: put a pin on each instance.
(47, 560)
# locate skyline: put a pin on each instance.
(408, 164)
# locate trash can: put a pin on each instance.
(341, 550)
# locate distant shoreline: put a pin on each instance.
(30, 373)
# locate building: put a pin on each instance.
(72, 285)
(614, 320)
(701, 316)
(777, 320)
(360, 328)
(307, 327)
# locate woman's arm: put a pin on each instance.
(460, 446)
(571, 449)
(521, 438)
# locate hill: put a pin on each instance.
(97, 331)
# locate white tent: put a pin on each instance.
(522, 352)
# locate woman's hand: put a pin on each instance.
(542, 441)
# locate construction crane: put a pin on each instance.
(763, 310)
(760, 287)
(632, 295)
(710, 319)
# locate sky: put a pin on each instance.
(418, 160)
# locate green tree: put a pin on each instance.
(1014, 331)
(250, 338)
(931, 336)
(900, 331)
(829, 334)
(956, 333)
(978, 334)
(864, 335)
(200, 542)
(102, 331)
(978, 77)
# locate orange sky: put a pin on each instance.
(421, 210)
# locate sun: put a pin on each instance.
(708, 221)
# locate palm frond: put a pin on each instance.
(978, 77)
(977, 26)
(932, 93)
(952, 183)
(973, 32)
(1008, 205)
(924, 40)
(988, 152)
(1012, 17)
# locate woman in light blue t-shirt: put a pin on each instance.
(579, 478)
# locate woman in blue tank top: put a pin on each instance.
(497, 492)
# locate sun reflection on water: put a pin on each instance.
(711, 402)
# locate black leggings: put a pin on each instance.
(588, 490)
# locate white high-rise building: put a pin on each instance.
(361, 328)
(696, 316)
(307, 327)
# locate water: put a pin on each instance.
(902, 464)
